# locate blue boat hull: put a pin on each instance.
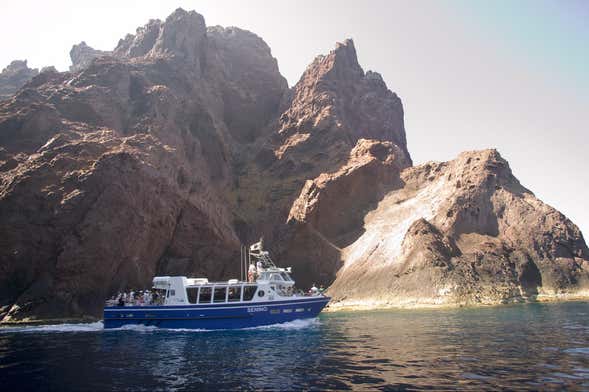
(215, 316)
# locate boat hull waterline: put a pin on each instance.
(215, 316)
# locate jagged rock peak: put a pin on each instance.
(335, 95)
(49, 68)
(141, 43)
(16, 66)
(345, 59)
(181, 35)
(82, 55)
(14, 76)
(238, 37)
(340, 63)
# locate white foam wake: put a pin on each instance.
(99, 326)
(290, 325)
(152, 328)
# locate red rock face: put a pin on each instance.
(335, 96)
(334, 105)
(165, 154)
(119, 171)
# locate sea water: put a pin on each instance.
(523, 347)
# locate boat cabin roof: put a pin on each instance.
(271, 275)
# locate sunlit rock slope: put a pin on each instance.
(461, 232)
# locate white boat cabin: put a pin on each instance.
(271, 284)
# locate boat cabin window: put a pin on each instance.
(285, 276)
(234, 293)
(205, 295)
(248, 292)
(285, 291)
(275, 276)
(220, 294)
(192, 294)
(171, 293)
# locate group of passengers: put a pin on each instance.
(254, 271)
(137, 298)
(316, 291)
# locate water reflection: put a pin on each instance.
(472, 349)
(515, 347)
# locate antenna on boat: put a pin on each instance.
(244, 263)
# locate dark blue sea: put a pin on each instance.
(523, 347)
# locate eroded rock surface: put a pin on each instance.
(461, 232)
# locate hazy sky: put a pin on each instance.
(513, 75)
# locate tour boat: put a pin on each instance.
(267, 297)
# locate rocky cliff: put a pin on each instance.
(82, 55)
(14, 76)
(119, 171)
(163, 155)
(461, 232)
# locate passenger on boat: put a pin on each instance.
(251, 273)
(259, 266)
(314, 290)
(121, 300)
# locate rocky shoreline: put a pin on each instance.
(423, 303)
(48, 321)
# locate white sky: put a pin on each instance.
(472, 75)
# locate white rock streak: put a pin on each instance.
(386, 226)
